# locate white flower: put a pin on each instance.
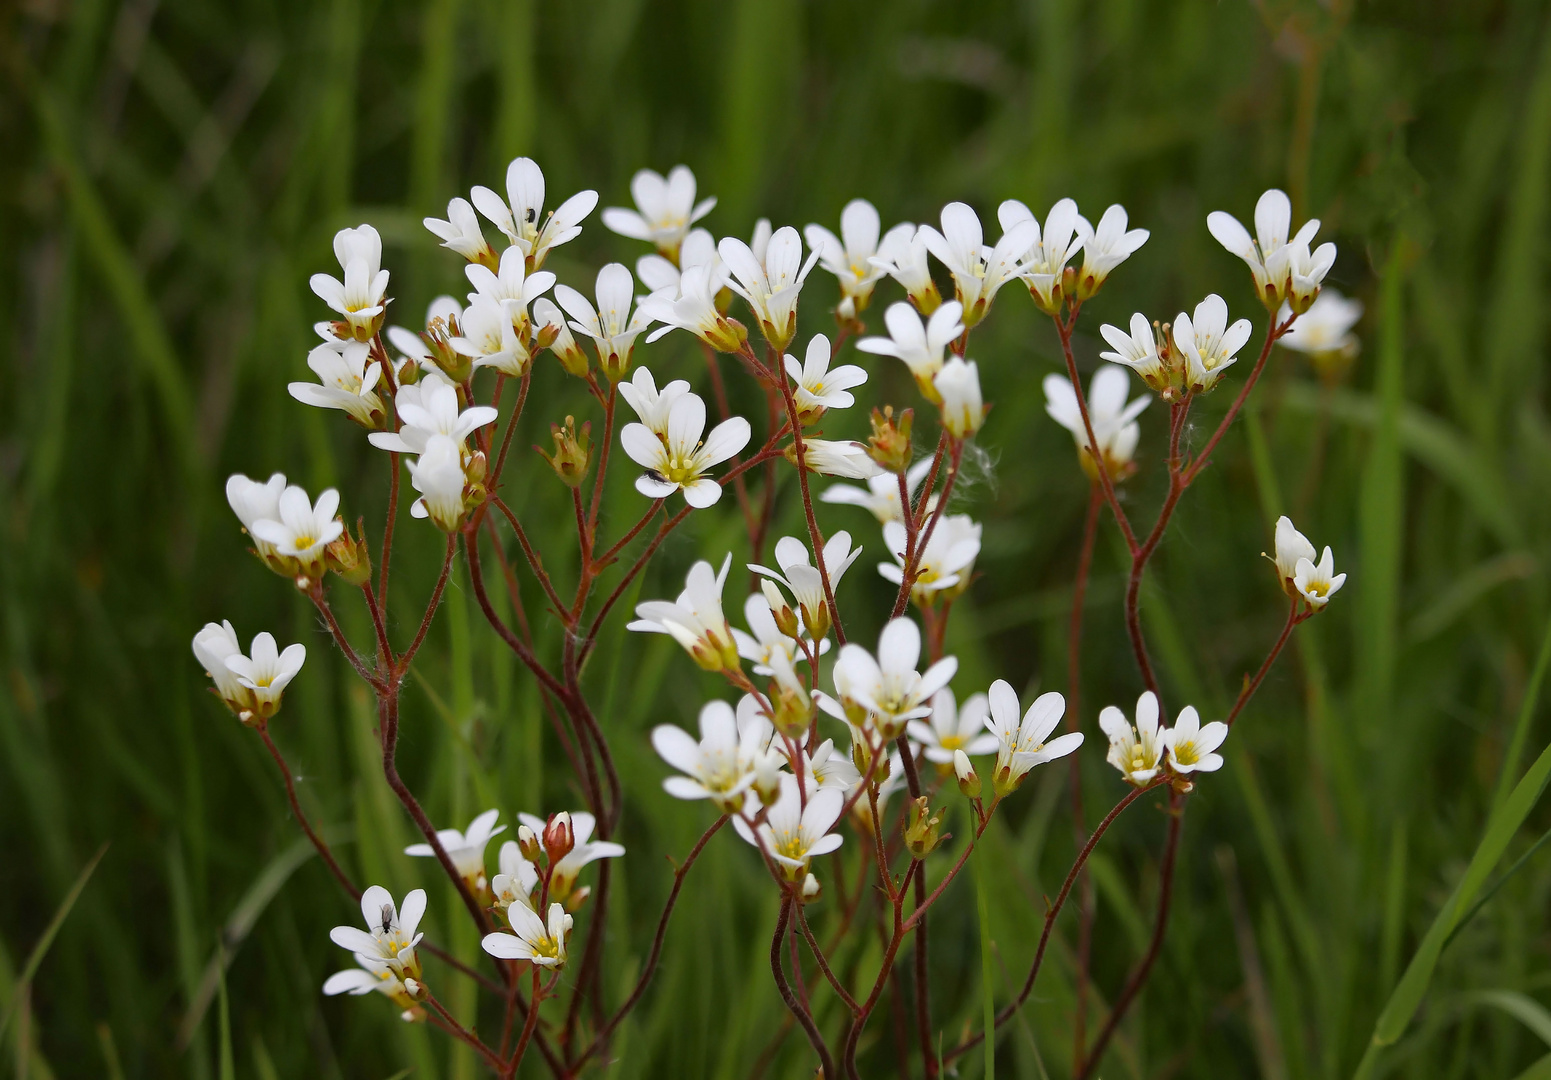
(946, 563)
(660, 274)
(517, 879)
(359, 298)
(429, 408)
(716, 767)
(1045, 258)
(828, 768)
(1138, 351)
(377, 976)
(958, 388)
(652, 406)
(1021, 743)
(1192, 748)
(678, 460)
(836, 457)
(1208, 344)
(881, 496)
(612, 328)
(390, 936)
(548, 317)
(1326, 327)
(1113, 419)
(1318, 582)
(300, 529)
(665, 209)
(266, 672)
(461, 233)
(770, 651)
(849, 256)
(978, 272)
(513, 287)
(954, 729)
(1136, 751)
(346, 374)
(584, 850)
(439, 476)
(902, 255)
(695, 620)
(920, 345)
(465, 849)
(819, 388)
(520, 220)
(531, 939)
(1270, 253)
(489, 338)
(694, 309)
(1305, 272)
(212, 646)
(1292, 547)
(805, 581)
(1106, 248)
(793, 833)
(770, 282)
(889, 690)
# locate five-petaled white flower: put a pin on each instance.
(212, 645)
(678, 460)
(466, 849)
(770, 281)
(266, 672)
(489, 337)
(300, 529)
(1208, 344)
(819, 387)
(1326, 328)
(651, 405)
(889, 691)
(804, 580)
(439, 475)
(881, 496)
(612, 327)
(695, 620)
(902, 255)
(1136, 751)
(1274, 255)
(461, 233)
(920, 345)
(346, 375)
(1318, 582)
(694, 308)
(719, 767)
(1192, 748)
(1022, 743)
(978, 272)
(1045, 258)
(954, 728)
(793, 833)
(1105, 248)
(665, 209)
(958, 388)
(1113, 419)
(391, 934)
(1138, 351)
(520, 220)
(584, 850)
(531, 939)
(850, 255)
(360, 297)
(946, 563)
(429, 408)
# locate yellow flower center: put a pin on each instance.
(951, 742)
(1185, 753)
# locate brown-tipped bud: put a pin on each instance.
(1069, 282)
(728, 336)
(785, 617)
(576, 898)
(408, 373)
(923, 830)
(573, 451)
(528, 843)
(969, 780)
(559, 837)
(811, 889)
(544, 336)
(889, 443)
(438, 336)
(474, 472)
(816, 620)
(349, 557)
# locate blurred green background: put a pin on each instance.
(173, 172)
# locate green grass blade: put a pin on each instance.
(1526, 715)
(1523, 1008)
(40, 950)
(987, 967)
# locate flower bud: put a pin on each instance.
(923, 830)
(793, 709)
(969, 780)
(573, 451)
(559, 837)
(528, 844)
(349, 557)
(438, 335)
(816, 621)
(407, 373)
(811, 889)
(785, 617)
(958, 385)
(728, 335)
(767, 779)
(889, 443)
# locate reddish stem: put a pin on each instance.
(1086, 902)
(318, 842)
(804, 1017)
(430, 610)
